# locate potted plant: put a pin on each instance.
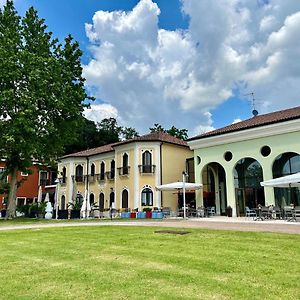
(148, 211)
(229, 211)
(133, 213)
(75, 209)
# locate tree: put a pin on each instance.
(179, 133)
(109, 131)
(129, 133)
(41, 93)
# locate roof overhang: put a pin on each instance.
(246, 134)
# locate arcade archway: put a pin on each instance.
(214, 187)
(248, 174)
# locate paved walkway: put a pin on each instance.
(216, 223)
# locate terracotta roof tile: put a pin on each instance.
(151, 137)
(90, 152)
(260, 120)
(155, 136)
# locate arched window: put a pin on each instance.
(102, 171)
(101, 201)
(111, 199)
(125, 164)
(79, 173)
(286, 164)
(147, 162)
(92, 169)
(112, 169)
(64, 175)
(125, 199)
(92, 199)
(63, 202)
(147, 197)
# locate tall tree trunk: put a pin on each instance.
(11, 209)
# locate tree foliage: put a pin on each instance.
(41, 92)
(92, 135)
(179, 133)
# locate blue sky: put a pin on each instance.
(187, 63)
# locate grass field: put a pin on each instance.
(136, 263)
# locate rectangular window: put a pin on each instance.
(43, 178)
(3, 175)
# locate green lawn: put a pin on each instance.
(136, 263)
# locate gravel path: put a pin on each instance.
(213, 223)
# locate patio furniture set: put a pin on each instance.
(261, 213)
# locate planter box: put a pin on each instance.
(62, 214)
(148, 214)
(125, 215)
(141, 215)
(157, 215)
(75, 214)
(3, 213)
(133, 215)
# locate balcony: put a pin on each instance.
(78, 178)
(147, 169)
(124, 171)
(110, 175)
(101, 177)
(92, 178)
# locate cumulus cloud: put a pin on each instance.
(152, 75)
(98, 112)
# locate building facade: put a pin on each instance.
(124, 175)
(231, 162)
(27, 192)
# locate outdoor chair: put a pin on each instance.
(287, 212)
(166, 211)
(276, 213)
(250, 213)
(266, 212)
(200, 212)
(211, 211)
(297, 213)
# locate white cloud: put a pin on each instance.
(237, 120)
(153, 75)
(98, 112)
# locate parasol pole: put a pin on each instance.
(183, 191)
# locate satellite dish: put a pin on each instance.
(254, 112)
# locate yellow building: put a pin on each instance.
(125, 174)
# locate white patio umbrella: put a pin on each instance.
(180, 185)
(40, 195)
(47, 198)
(86, 206)
(283, 182)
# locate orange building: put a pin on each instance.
(28, 190)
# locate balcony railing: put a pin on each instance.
(101, 177)
(110, 175)
(123, 171)
(147, 169)
(78, 178)
(92, 178)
